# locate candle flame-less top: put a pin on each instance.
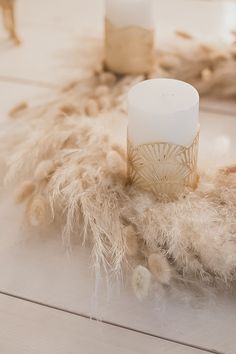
(124, 13)
(163, 110)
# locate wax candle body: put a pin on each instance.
(124, 13)
(163, 110)
(129, 36)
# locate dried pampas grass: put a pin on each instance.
(160, 268)
(24, 191)
(208, 67)
(141, 281)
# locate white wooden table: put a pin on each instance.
(48, 297)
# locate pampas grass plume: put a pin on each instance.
(160, 268)
(115, 162)
(44, 169)
(37, 211)
(131, 240)
(141, 282)
(25, 190)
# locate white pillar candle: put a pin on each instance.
(163, 137)
(129, 36)
(163, 110)
(124, 13)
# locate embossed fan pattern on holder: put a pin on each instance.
(167, 170)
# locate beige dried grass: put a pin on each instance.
(209, 67)
(84, 190)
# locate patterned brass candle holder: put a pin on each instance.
(167, 170)
(129, 50)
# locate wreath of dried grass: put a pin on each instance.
(71, 171)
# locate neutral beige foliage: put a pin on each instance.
(210, 68)
(107, 78)
(104, 103)
(91, 108)
(36, 211)
(141, 281)
(159, 267)
(24, 191)
(102, 90)
(44, 169)
(184, 35)
(206, 74)
(131, 240)
(69, 109)
(18, 109)
(115, 162)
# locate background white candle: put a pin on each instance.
(163, 110)
(123, 13)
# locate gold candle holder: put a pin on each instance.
(129, 50)
(167, 170)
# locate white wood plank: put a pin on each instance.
(227, 107)
(217, 139)
(44, 56)
(41, 271)
(37, 267)
(33, 329)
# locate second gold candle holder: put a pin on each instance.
(129, 50)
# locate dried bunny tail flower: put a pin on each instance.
(69, 109)
(107, 78)
(91, 108)
(98, 69)
(131, 240)
(160, 268)
(184, 35)
(141, 281)
(114, 162)
(24, 191)
(104, 102)
(101, 90)
(18, 109)
(44, 169)
(206, 74)
(37, 210)
(229, 169)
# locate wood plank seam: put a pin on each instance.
(74, 313)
